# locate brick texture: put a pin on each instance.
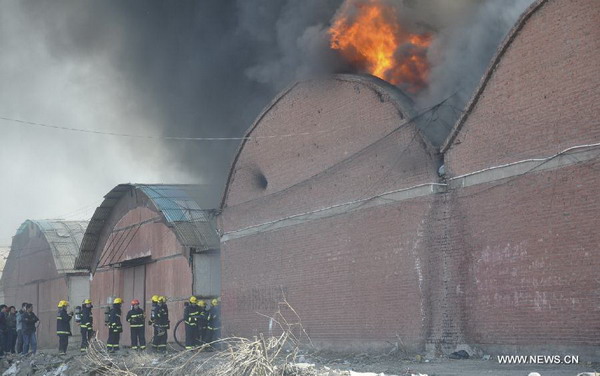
(364, 267)
(509, 262)
(528, 246)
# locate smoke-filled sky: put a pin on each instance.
(183, 69)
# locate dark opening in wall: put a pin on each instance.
(261, 180)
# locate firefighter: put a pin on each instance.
(153, 310)
(115, 328)
(213, 324)
(161, 325)
(63, 326)
(202, 321)
(86, 324)
(190, 318)
(152, 321)
(136, 319)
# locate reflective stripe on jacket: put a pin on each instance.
(136, 317)
(63, 322)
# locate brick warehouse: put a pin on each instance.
(40, 270)
(336, 202)
(146, 240)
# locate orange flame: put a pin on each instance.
(374, 40)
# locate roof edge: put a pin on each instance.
(88, 254)
(510, 37)
(374, 83)
(61, 269)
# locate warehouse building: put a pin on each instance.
(333, 217)
(337, 202)
(522, 165)
(40, 270)
(146, 240)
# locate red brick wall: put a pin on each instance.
(344, 154)
(355, 279)
(532, 245)
(352, 284)
(505, 263)
(543, 95)
(529, 245)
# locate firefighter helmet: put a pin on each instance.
(162, 299)
(201, 303)
(155, 298)
(63, 303)
(117, 301)
(135, 302)
(193, 300)
(214, 302)
(87, 301)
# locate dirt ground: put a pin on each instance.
(47, 362)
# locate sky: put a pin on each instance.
(178, 69)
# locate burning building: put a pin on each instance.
(331, 215)
(336, 201)
(146, 240)
(40, 270)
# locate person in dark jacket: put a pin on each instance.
(86, 324)
(20, 328)
(11, 329)
(115, 328)
(63, 326)
(136, 319)
(152, 321)
(3, 329)
(213, 325)
(29, 337)
(190, 318)
(161, 325)
(202, 322)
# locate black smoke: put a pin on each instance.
(179, 68)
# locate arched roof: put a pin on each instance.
(383, 89)
(180, 207)
(63, 237)
(512, 35)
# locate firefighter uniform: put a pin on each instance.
(161, 325)
(202, 322)
(86, 324)
(63, 326)
(213, 324)
(190, 318)
(152, 320)
(115, 328)
(136, 319)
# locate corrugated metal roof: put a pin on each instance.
(64, 238)
(184, 208)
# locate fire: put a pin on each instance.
(373, 40)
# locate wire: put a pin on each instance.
(338, 165)
(361, 202)
(25, 122)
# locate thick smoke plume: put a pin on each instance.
(465, 34)
(187, 69)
